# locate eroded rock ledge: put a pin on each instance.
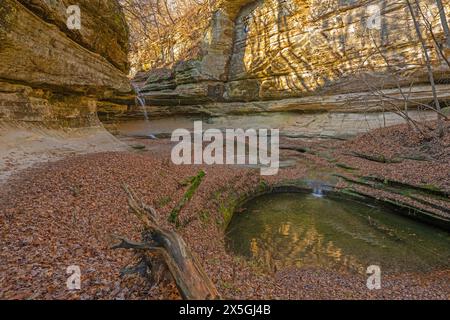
(52, 75)
(52, 79)
(271, 50)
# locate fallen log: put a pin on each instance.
(159, 245)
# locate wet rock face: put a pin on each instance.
(278, 49)
(55, 75)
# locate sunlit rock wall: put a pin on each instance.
(278, 49)
(50, 74)
(289, 48)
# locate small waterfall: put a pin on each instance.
(318, 192)
(141, 100)
(318, 189)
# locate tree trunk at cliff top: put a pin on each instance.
(191, 280)
(428, 64)
(444, 22)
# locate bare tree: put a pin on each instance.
(444, 21)
(164, 31)
(392, 90)
(427, 62)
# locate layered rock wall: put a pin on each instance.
(270, 50)
(291, 48)
(56, 76)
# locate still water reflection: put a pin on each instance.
(281, 230)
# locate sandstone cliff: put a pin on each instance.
(304, 54)
(56, 76)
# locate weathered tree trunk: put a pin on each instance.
(428, 65)
(444, 21)
(191, 280)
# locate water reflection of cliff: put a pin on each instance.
(286, 230)
(285, 245)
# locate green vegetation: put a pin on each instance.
(163, 202)
(376, 158)
(194, 184)
(204, 216)
(138, 147)
(345, 166)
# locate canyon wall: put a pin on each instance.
(305, 54)
(56, 76)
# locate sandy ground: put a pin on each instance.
(24, 145)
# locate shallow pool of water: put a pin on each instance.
(294, 229)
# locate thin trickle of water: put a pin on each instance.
(318, 188)
(318, 192)
(141, 100)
